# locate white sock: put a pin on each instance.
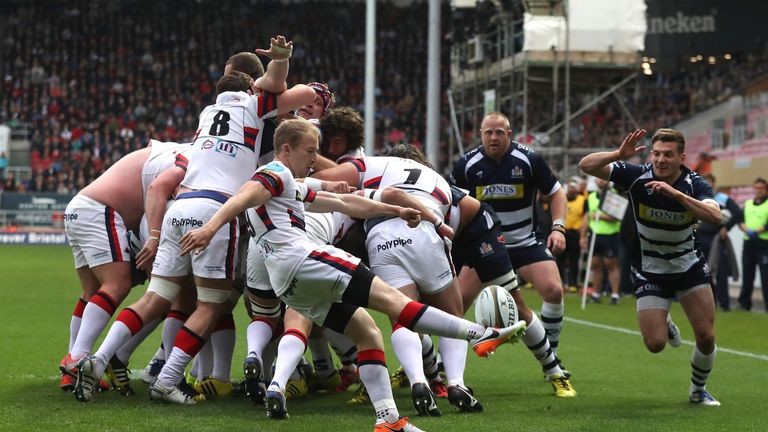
(407, 346)
(258, 333)
(425, 319)
(535, 339)
(289, 351)
(124, 353)
(701, 366)
(74, 322)
(552, 318)
(171, 328)
(116, 337)
(223, 342)
(373, 374)
(95, 318)
(454, 354)
(173, 371)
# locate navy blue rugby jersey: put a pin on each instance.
(667, 244)
(509, 187)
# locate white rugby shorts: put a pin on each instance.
(96, 233)
(401, 255)
(217, 261)
(320, 281)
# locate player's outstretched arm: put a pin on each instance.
(274, 77)
(294, 98)
(398, 197)
(251, 194)
(362, 208)
(344, 172)
(597, 164)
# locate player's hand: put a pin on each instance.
(197, 240)
(556, 242)
(412, 216)
(279, 49)
(340, 187)
(662, 188)
(146, 255)
(627, 148)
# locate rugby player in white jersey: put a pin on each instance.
(298, 270)
(478, 246)
(97, 222)
(419, 265)
(225, 151)
(667, 199)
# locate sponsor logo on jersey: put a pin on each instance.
(516, 172)
(485, 249)
(70, 216)
(276, 167)
(664, 216)
(227, 148)
(207, 144)
(389, 244)
(183, 222)
(499, 191)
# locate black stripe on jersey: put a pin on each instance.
(109, 221)
(270, 181)
(296, 220)
(437, 193)
(182, 162)
(265, 219)
(516, 225)
(310, 196)
(359, 163)
(229, 263)
(665, 243)
(324, 258)
(667, 256)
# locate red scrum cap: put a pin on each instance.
(324, 92)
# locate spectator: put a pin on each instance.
(3, 164)
(755, 252)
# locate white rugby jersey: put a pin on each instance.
(408, 175)
(279, 225)
(162, 155)
(327, 228)
(228, 141)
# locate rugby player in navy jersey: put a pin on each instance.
(506, 175)
(667, 199)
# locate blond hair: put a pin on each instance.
(293, 131)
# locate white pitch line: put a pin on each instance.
(762, 357)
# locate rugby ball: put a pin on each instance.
(495, 307)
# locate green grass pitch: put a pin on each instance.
(621, 386)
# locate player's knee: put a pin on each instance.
(552, 293)
(705, 341)
(655, 345)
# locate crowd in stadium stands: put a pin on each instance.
(97, 79)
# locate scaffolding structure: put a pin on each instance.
(534, 88)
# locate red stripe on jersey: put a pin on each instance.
(249, 136)
(182, 162)
(437, 193)
(340, 261)
(373, 183)
(271, 182)
(262, 212)
(310, 197)
(359, 163)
